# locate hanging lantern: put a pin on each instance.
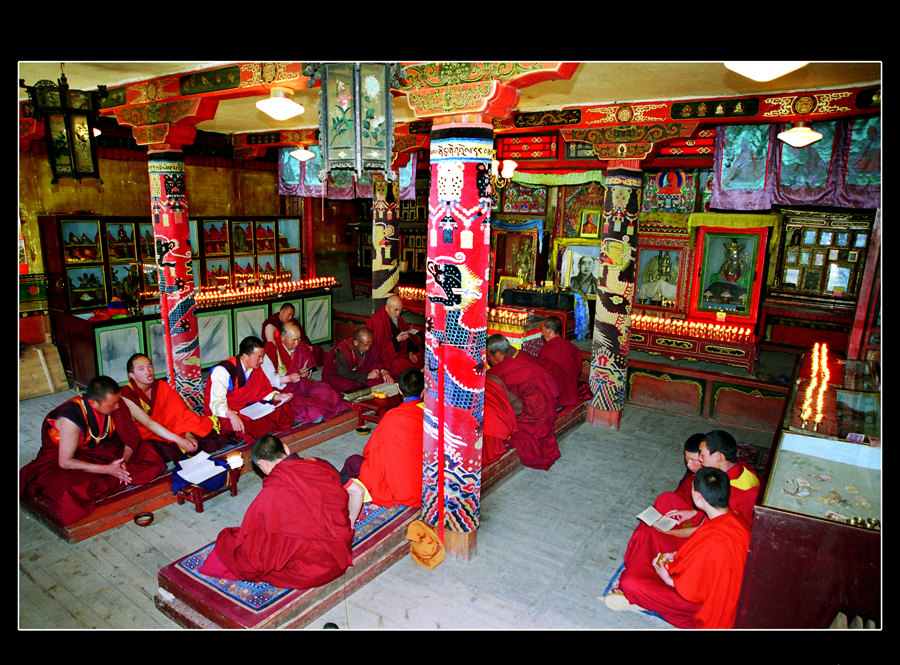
(70, 116)
(356, 120)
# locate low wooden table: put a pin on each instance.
(371, 410)
(197, 495)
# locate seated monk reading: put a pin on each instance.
(238, 382)
(355, 362)
(646, 541)
(390, 468)
(297, 532)
(698, 585)
(90, 448)
(535, 436)
(501, 406)
(563, 360)
(400, 348)
(287, 365)
(167, 408)
(271, 328)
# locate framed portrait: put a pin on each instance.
(791, 278)
(832, 255)
(662, 273)
(826, 238)
(575, 263)
(728, 273)
(853, 256)
(589, 226)
(809, 237)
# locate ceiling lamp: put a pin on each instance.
(279, 104)
(70, 117)
(303, 153)
(764, 70)
(799, 135)
(356, 115)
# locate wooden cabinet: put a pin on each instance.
(816, 544)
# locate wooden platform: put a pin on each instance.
(189, 604)
(123, 506)
(41, 372)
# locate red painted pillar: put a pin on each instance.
(457, 284)
(171, 231)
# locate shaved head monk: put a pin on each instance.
(390, 467)
(238, 382)
(297, 532)
(167, 408)
(355, 362)
(535, 437)
(287, 365)
(271, 329)
(400, 348)
(90, 448)
(563, 360)
(698, 585)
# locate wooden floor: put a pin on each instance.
(548, 544)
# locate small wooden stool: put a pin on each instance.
(197, 495)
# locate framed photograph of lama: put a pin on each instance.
(663, 274)
(728, 274)
(575, 263)
(590, 223)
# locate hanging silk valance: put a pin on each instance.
(558, 179)
(753, 169)
(296, 178)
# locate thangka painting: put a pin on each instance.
(864, 163)
(729, 267)
(671, 190)
(705, 185)
(744, 157)
(522, 199)
(578, 198)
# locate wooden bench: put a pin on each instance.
(124, 505)
(193, 604)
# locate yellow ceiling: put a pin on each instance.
(592, 83)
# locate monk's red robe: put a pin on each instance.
(563, 360)
(312, 400)
(534, 439)
(499, 423)
(392, 459)
(318, 353)
(394, 354)
(358, 366)
(646, 542)
(296, 534)
(244, 391)
(168, 408)
(707, 570)
(72, 493)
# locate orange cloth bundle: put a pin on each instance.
(426, 548)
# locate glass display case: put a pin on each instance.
(815, 548)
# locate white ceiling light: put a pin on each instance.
(303, 154)
(764, 70)
(800, 135)
(279, 104)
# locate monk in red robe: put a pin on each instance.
(271, 328)
(287, 365)
(563, 360)
(167, 408)
(391, 468)
(355, 362)
(297, 532)
(698, 585)
(400, 348)
(535, 438)
(647, 541)
(500, 409)
(238, 382)
(90, 448)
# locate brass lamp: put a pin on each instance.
(70, 116)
